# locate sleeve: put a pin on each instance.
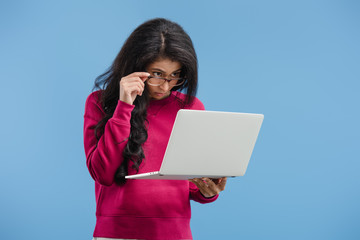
(103, 157)
(195, 193)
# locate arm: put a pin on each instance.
(103, 157)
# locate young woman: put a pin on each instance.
(126, 129)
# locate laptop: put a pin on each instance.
(209, 144)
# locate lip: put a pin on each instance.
(160, 94)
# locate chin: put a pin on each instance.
(157, 96)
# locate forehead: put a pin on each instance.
(165, 65)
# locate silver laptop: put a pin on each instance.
(208, 144)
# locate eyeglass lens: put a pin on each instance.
(159, 81)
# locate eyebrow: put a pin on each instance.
(158, 69)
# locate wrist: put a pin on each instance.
(126, 100)
(206, 196)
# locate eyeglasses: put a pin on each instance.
(158, 81)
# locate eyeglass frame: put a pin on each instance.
(165, 80)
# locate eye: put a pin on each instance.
(175, 75)
(157, 74)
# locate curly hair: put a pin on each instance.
(154, 39)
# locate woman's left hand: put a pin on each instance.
(209, 188)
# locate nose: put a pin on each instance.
(165, 86)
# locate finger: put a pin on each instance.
(126, 80)
(134, 89)
(216, 180)
(222, 183)
(205, 181)
(127, 85)
(208, 188)
(213, 188)
(142, 75)
(198, 182)
(144, 79)
(209, 182)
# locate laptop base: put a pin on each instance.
(158, 175)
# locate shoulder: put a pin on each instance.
(93, 104)
(94, 96)
(196, 104)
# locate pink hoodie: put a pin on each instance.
(140, 209)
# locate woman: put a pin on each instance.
(126, 129)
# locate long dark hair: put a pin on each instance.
(154, 39)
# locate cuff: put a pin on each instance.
(202, 199)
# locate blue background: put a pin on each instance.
(297, 62)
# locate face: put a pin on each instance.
(163, 67)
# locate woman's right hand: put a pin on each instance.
(132, 85)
